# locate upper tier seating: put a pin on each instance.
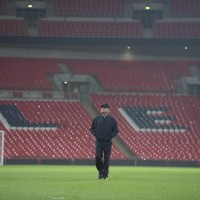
(152, 1)
(137, 76)
(2, 7)
(176, 29)
(174, 134)
(13, 27)
(185, 8)
(27, 73)
(90, 28)
(89, 7)
(71, 139)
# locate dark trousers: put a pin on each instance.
(102, 157)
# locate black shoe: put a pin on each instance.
(100, 176)
(105, 177)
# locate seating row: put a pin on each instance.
(27, 73)
(137, 76)
(186, 8)
(90, 29)
(116, 7)
(176, 29)
(89, 7)
(116, 29)
(70, 138)
(164, 143)
(13, 27)
(127, 29)
(2, 7)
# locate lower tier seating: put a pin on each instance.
(155, 126)
(47, 129)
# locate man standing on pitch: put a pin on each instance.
(104, 128)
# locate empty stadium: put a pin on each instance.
(61, 59)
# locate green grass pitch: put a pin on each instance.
(41, 182)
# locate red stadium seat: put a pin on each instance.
(90, 29)
(71, 139)
(133, 76)
(17, 27)
(3, 7)
(176, 29)
(27, 73)
(89, 8)
(185, 8)
(155, 145)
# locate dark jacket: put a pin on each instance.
(104, 128)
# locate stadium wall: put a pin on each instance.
(100, 48)
(164, 163)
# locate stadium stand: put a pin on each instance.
(13, 27)
(155, 123)
(158, 143)
(134, 76)
(2, 7)
(27, 119)
(89, 7)
(48, 129)
(152, 1)
(184, 8)
(27, 73)
(89, 28)
(176, 29)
